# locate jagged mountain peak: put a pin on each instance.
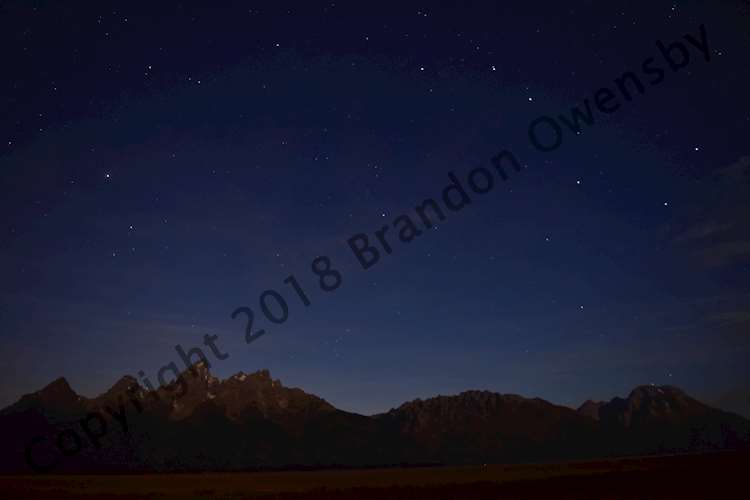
(660, 399)
(257, 392)
(651, 403)
(202, 369)
(262, 374)
(56, 400)
(480, 403)
(125, 383)
(58, 388)
(260, 391)
(652, 390)
(259, 378)
(241, 376)
(199, 374)
(115, 394)
(57, 394)
(470, 396)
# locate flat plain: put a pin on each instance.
(684, 476)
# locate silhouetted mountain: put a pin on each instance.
(56, 401)
(665, 419)
(481, 426)
(251, 420)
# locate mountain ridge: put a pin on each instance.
(250, 420)
(264, 373)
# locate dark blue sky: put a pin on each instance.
(162, 165)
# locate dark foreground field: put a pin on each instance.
(719, 475)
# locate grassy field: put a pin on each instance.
(720, 475)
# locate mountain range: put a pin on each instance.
(252, 421)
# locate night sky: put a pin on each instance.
(163, 164)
